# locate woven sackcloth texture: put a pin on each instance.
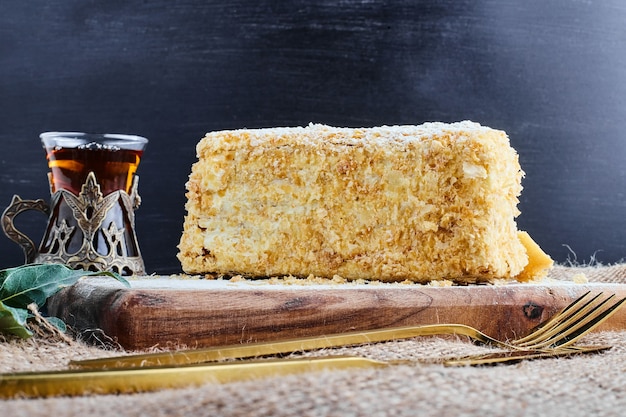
(585, 385)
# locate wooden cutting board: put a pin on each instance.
(162, 311)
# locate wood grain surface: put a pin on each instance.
(206, 313)
(551, 75)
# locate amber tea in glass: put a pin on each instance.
(112, 158)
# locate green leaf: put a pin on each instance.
(57, 322)
(34, 283)
(13, 321)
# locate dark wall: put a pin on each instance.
(551, 74)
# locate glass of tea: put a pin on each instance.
(112, 158)
(93, 187)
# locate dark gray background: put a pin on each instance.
(551, 74)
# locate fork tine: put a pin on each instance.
(576, 325)
(546, 326)
(585, 326)
(563, 321)
(568, 323)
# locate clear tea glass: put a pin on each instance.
(112, 158)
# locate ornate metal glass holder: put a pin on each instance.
(89, 231)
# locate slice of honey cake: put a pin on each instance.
(391, 203)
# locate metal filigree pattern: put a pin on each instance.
(89, 231)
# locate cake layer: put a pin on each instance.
(391, 203)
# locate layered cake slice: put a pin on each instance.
(430, 202)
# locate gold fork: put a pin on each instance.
(556, 336)
(573, 322)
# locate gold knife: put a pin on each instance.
(132, 380)
(144, 379)
(517, 356)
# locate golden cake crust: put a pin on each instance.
(392, 203)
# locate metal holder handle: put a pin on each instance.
(17, 207)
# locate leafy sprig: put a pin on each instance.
(34, 284)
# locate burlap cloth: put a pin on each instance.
(585, 385)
